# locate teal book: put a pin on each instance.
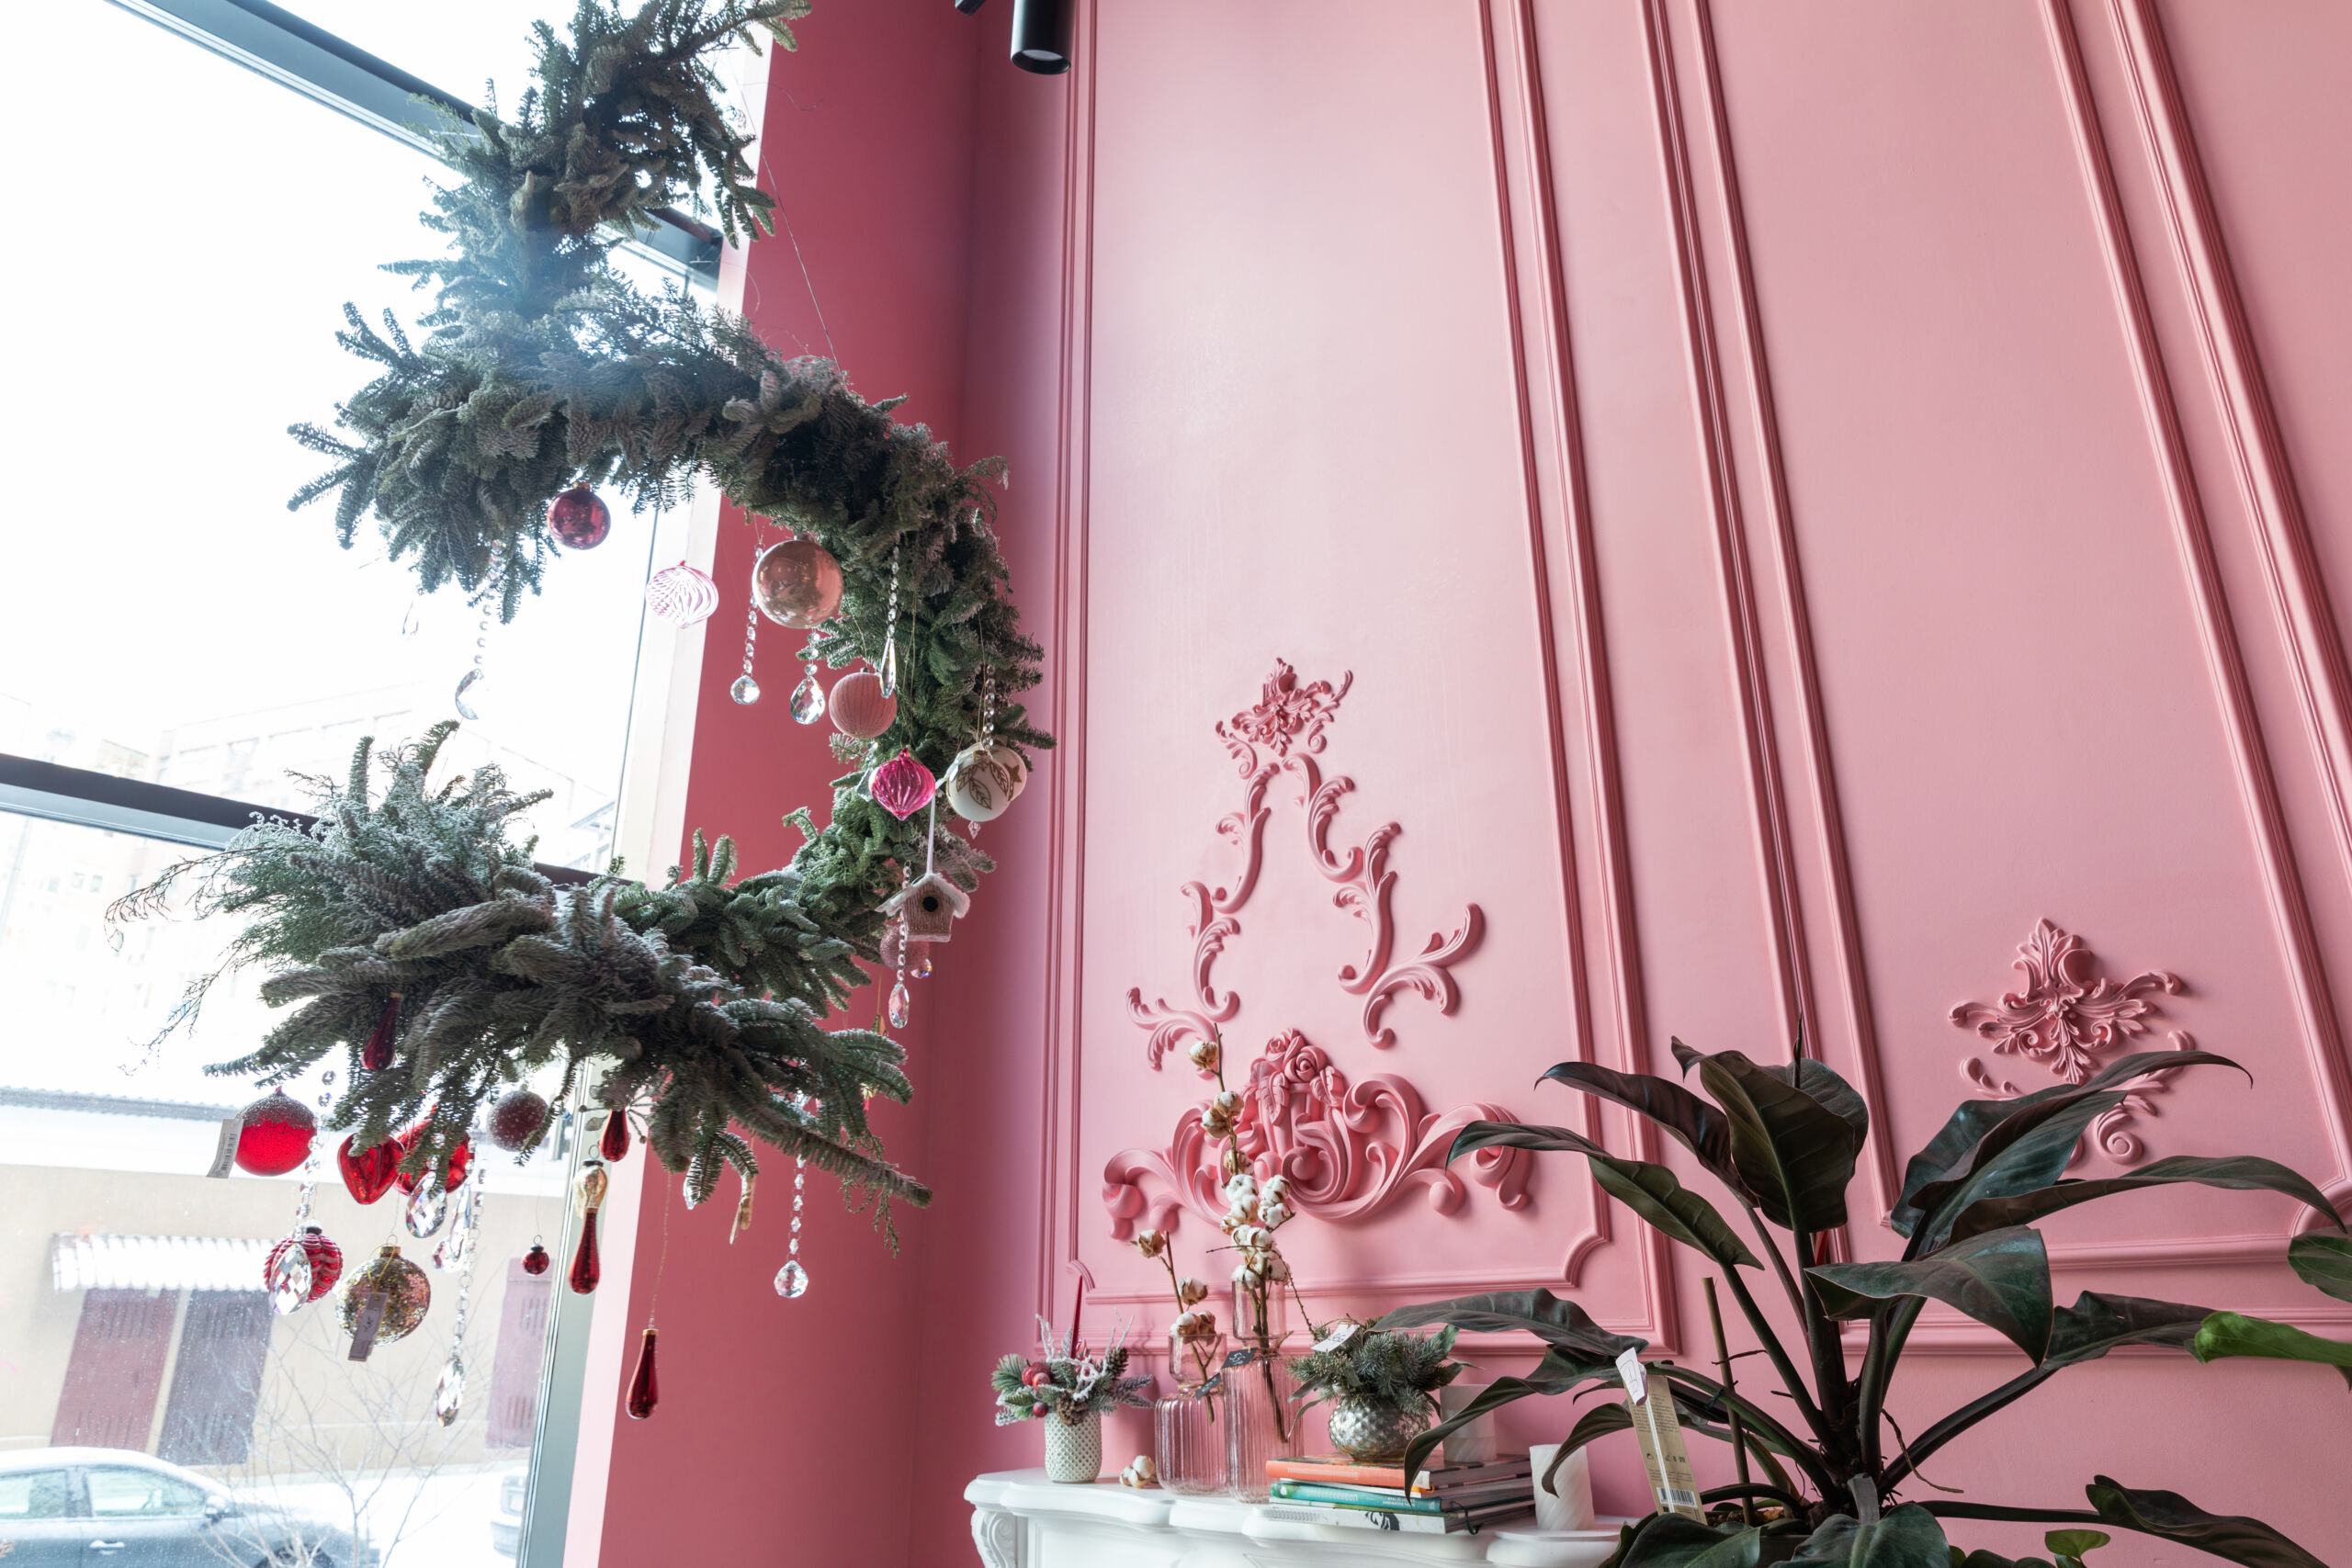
(1393, 1501)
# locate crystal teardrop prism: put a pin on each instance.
(427, 1206)
(289, 1281)
(808, 699)
(456, 1252)
(919, 966)
(644, 1389)
(792, 1280)
(898, 1004)
(889, 671)
(466, 709)
(449, 1393)
(745, 690)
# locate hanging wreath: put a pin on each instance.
(541, 367)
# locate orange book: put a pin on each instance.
(1339, 1470)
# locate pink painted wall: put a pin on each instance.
(1803, 494)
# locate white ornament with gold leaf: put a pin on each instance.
(985, 778)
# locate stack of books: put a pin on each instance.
(1332, 1489)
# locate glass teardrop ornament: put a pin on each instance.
(889, 671)
(587, 1268)
(289, 1281)
(745, 690)
(457, 1248)
(449, 1393)
(792, 1280)
(898, 1005)
(808, 699)
(427, 1208)
(466, 709)
(644, 1388)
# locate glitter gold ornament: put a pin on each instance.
(406, 1292)
(797, 583)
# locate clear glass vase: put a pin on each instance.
(1189, 1430)
(1262, 1421)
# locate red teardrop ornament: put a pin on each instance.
(275, 1136)
(616, 1143)
(326, 1262)
(535, 1261)
(376, 1055)
(368, 1174)
(586, 1270)
(644, 1389)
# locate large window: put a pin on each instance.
(170, 623)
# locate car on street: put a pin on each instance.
(120, 1508)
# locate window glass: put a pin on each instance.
(117, 1491)
(35, 1494)
(169, 619)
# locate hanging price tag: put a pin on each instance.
(364, 1327)
(1338, 1337)
(1665, 1457)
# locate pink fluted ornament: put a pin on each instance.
(859, 707)
(682, 596)
(902, 785)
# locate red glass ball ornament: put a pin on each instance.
(326, 1262)
(516, 1119)
(859, 707)
(368, 1174)
(277, 1134)
(902, 785)
(453, 1178)
(537, 1261)
(579, 518)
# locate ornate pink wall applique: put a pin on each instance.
(1348, 1150)
(1282, 733)
(2069, 1017)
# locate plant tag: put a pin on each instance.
(1241, 1358)
(1629, 1366)
(224, 1154)
(1338, 1337)
(1665, 1457)
(364, 1327)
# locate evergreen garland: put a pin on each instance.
(539, 365)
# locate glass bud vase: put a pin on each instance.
(1189, 1427)
(1261, 1417)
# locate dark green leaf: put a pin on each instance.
(1520, 1136)
(2001, 1279)
(1906, 1538)
(1818, 1080)
(2023, 1154)
(1558, 1323)
(1793, 1154)
(1684, 1056)
(2174, 1517)
(1993, 1560)
(2076, 1543)
(2229, 1334)
(1968, 1124)
(1676, 1540)
(1689, 1120)
(2324, 1260)
(2237, 1172)
(1651, 1191)
(2096, 1325)
(1556, 1373)
(1598, 1421)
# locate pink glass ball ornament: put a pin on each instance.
(859, 706)
(682, 596)
(902, 785)
(579, 518)
(797, 583)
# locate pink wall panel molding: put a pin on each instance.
(2067, 1015)
(1301, 1118)
(1281, 734)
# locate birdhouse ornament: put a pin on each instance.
(930, 906)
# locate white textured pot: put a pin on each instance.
(1074, 1450)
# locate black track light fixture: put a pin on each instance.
(1040, 33)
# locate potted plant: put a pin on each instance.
(1067, 1390)
(1382, 1385)
(1781, 1142)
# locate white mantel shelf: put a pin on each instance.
(1022, 1520)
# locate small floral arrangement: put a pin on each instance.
(1402, 1370)
(1065, 1380)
